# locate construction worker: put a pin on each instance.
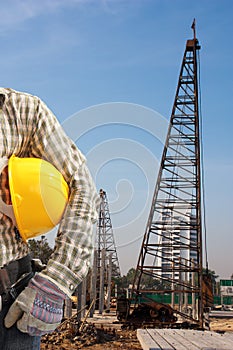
(31, 307)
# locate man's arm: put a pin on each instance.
(74, 243)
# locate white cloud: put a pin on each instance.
(13, 13)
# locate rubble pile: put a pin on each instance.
(79, 335)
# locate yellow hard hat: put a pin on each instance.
(39, 195)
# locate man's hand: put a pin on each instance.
(38, 309)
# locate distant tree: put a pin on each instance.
(147, 281)
(40, 249)
(125, 280)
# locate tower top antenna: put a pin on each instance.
(194, 28)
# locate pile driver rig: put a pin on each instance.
(171, 252)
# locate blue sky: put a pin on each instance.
(109, 69)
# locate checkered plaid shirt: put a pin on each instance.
(29, 129)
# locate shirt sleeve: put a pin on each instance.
(73, 249)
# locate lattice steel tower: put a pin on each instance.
(105, 237)
(171, 251)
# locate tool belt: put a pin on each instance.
(14, 277)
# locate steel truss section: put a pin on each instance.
(171, 251)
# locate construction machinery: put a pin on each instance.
(169, 288)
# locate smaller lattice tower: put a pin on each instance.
(105, 238)
(105, 265)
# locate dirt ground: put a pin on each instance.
(99, 337)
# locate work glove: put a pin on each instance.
(38, 309)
